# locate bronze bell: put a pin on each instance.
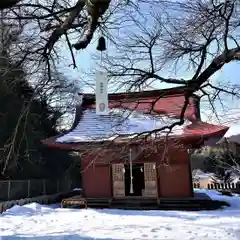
(101, 44)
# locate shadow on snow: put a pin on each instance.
(54, 237)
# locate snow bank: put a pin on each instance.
(28, 209)
(233, 201)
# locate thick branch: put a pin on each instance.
(216, 64)
(96, 8)
(8, 3)
(82, 44)
(64, 27)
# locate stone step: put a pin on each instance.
(144, 204)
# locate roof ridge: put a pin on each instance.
(167, 92)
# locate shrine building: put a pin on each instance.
(123, 155)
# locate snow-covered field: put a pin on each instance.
(37, 222)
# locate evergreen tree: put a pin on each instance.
(25, 117)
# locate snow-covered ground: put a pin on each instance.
(37, 222)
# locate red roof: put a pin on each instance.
(144, 94)
(204, 129)
(165, 101)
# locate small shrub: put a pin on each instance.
(226, 193)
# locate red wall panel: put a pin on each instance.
(97, 182)
(174, 177)
(174, 181)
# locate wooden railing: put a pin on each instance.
(219, 186)
(18, 189)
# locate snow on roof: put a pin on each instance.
(93, 127)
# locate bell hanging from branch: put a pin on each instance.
(101, 44)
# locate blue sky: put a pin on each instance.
(85, 63)
(229, 73)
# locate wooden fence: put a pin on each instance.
(220, 186)
(18, 189)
